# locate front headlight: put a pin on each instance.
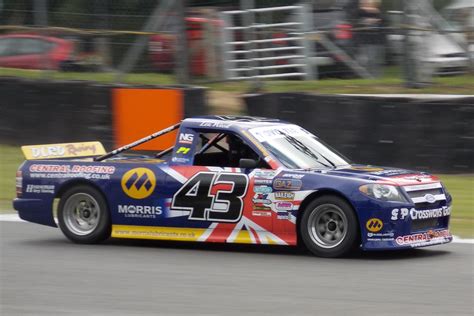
(382, 192)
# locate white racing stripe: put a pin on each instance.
(15, 218)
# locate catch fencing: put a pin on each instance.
(185, 41)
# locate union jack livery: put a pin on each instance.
(232, 180)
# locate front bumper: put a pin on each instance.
(415, 240)
(386, 225)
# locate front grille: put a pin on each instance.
(414, 194)
(429, 195)
(424, 224)
(426, 205)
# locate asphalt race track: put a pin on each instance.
(44, 274)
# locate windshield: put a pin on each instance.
(297, 148)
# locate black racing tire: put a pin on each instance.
(329, 227)
(83, 215)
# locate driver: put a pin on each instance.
(238, 150)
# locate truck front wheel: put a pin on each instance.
(329, 227)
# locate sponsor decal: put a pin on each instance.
(154, 232)
(293, 175)
(262, 181)
(380, 239)
(284, 196)
(420, 239)
(261, 208)
(68, 171)
(48, 151)
(261, 201)
(283, 215)
(283, 206)
(402, 213)
(140, 211)
(261, 213)
(180, 159)
(138, 183)
(425, 214)
(389, 172)
(81, 149)
(74, 168)
(261, 196)
(63, 150)
(262, 189)
(380, 236)
(40, 188)
(264, 174)
(287, 184)
(216, 124)
(374, 225)
(183, 150)
(272, 132)
(185, 138)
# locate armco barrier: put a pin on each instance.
(432, 134)
(40, 112)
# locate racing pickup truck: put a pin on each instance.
(232, 179)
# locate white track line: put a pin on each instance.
(458, 240)
(10, 218)
(15, 218)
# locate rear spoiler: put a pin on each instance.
(66, 150)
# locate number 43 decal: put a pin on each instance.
(211, 196)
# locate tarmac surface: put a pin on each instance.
(42, 273)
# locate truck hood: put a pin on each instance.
(387, 175)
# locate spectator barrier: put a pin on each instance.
(41, 112)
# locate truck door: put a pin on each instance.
(211, 193)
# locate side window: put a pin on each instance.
(33, 46)
(6, 47)
(224, 150)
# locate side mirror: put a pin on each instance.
(247, 163)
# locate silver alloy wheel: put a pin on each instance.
(327, 225)
(81, 214)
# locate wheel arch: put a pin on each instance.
(316, 194)
(75, 182)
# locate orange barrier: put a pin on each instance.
(140, 112)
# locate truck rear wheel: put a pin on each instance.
(329, 227)
(83, 215)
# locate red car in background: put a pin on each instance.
(162, 47)
(29, 51)
(33, 51)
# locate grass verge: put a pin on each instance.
(392, 82)
(461, 188)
